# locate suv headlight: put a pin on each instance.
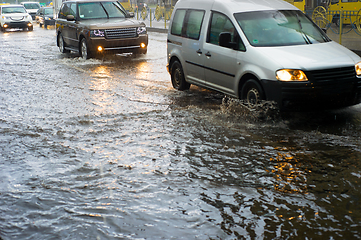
(141, 30)
(291, 75)
(358, 69)
(5, 17)
(97, 33)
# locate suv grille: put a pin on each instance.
(121, 33)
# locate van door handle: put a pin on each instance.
(199, 51)
(208, 54)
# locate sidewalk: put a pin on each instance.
(350, 39)
(154, 25)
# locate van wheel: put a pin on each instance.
(177, 77)
(252, 93)
(61, 44)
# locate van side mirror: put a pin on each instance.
(225, 40)
(70, 18)
(324, 30)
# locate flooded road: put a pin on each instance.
(107, 149)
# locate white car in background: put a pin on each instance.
(14, 16)
(31, 7)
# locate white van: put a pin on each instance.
(260, 50)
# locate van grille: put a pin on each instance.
(121, 33)
(332, 76)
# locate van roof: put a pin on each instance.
(239, 5)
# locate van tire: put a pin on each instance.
(177, 76)
(252, 93)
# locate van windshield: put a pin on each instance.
(279, 28)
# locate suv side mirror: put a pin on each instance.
(130, 15)
(225, 40)
(70, 18)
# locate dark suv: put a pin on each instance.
(99, 26)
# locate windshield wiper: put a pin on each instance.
(304, 35)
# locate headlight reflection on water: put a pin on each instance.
(143, 71)
(101, 87)
(288, 177)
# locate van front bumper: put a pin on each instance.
(311, 96)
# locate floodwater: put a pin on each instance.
(107, 149)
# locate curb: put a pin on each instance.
(159, 30)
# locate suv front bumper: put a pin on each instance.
(20, 24)
(120, 45)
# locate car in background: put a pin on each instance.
(45, 16)
(31, 8)
(93, 27)
(14, 16)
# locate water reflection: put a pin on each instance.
(289, 178)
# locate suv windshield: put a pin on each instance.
(279, 28)
(13, 10)
(48, 11)
(92, 10)
(31, 5)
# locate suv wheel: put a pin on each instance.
(84, 51)
(177, 77)
(61, 44)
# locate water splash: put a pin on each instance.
(264, 111)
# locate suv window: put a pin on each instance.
(113, 9)
(221, 23)
(13, 10)
(187, 23)
(67, 9)
(31, 5)
(91, 10)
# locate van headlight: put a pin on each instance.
(291, 75)
(141, 30)
(358, 69)
(97, 33)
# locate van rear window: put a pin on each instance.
(193, 24)
(178, 22)
(187, 23)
